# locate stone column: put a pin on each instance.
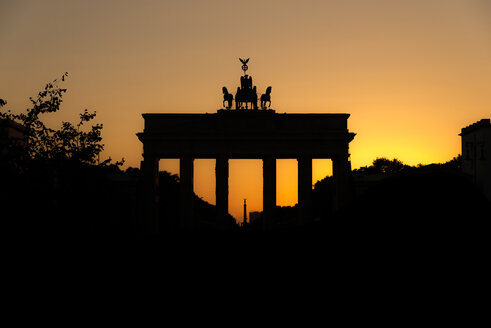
(341, 169)
(221, 188)
(269, 191)
(186, 175)
(148, 200)
(304, 190)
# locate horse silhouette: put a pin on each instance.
(266, 97)
(227, 97)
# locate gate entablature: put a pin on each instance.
(246, 134)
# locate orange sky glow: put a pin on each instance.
(411, 73)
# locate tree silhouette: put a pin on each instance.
(382, 165)
(454, 163)
(52, 179)
(205, 213)
(40, 142)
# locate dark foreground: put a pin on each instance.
(429, 247)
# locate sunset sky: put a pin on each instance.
(411, 73)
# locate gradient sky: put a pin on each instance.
(411, 73)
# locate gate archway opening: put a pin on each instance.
(252, 134)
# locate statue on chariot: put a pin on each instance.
(246, 94)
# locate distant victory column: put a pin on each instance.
(245, 212)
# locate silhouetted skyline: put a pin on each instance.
(410, 73)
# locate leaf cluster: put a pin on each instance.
(70, 142)
(382, 165)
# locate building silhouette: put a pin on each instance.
(253, 216)
(10, 130)
(476, 154)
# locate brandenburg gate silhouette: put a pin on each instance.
(242, 133)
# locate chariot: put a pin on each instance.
(246, 95)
